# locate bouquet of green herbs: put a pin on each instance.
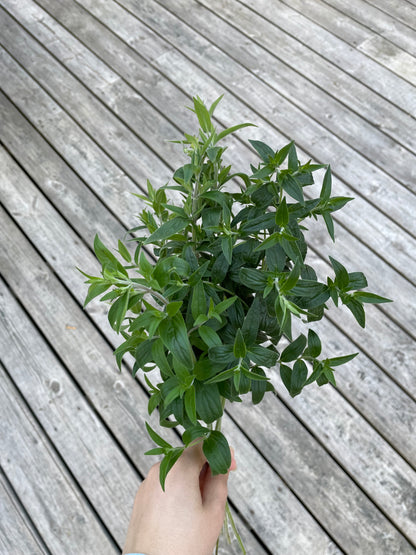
(214, 283)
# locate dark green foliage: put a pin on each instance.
(229, 278)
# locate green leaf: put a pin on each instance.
(221, 354)
(175, 338)
(357, 280)
(299, 375)
(223, 305)
(156, 451)
(292, 188)
(341, 274)
(173, 307)
(118, 311)
(122, 249)
(209, 336)
(327, 185)
(262, 356)
(314, 344)
(166, 230)
(286, 376)
(96, 289)
(221, 376)
(190, 404)
(293, 162)
(214, 105)
(168, 461)
(203, 115)
(294, 349)
(292, 278)
(208, 402)
(217, 452)
(337, 361)
(233, 129)
(281, 155)
(199, 303)
(259, 388)
(193, 433)
(227, 248)
(219, 269)
(282, 214)
(329, 375)
(156, 438)
(240, 348)
(358, 311)
(252, 278)
(251, 323)
(107, 259)
(143, 355)
(329, 222)
(364, 297)
(264, 151)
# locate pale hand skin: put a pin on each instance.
(187, 518)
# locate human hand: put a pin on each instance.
(187, 517)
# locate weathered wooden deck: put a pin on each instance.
(91, 90)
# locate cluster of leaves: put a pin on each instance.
(229, 277)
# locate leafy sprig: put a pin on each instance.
(229, 275)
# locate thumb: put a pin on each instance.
(215, 490)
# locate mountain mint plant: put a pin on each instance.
(215, 282)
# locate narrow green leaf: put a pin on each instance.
(199, 303)
(337, 361)
(202, 114)
(122, 249)
(166, 230)
(293, 162)
(327, 185)
(329, 222)
(240, 348)
(155, 451)
(364, 297)
(96, 289)
(175, 337)
(223, 305)
(227, 248)
(292, 278)
(214, 105)
(282, 214)
(156, 438)
(168, 461)
(233, 129)
(190, 404)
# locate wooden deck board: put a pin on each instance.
(91, 90)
